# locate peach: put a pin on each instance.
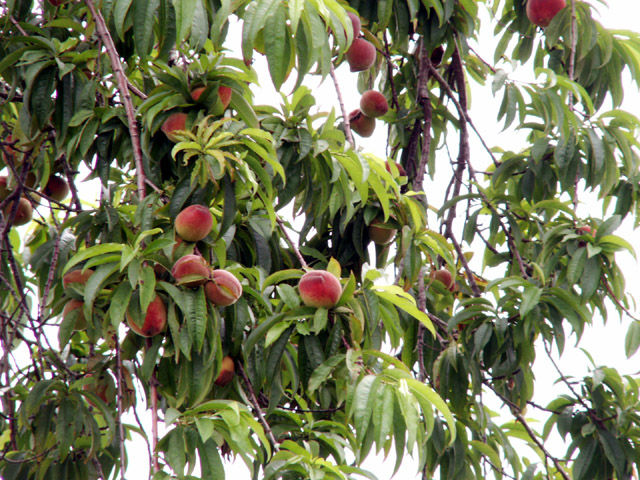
(586, 230)
(194, 223)
(361, 124)
(373, 104)
(23, 213)
(355, 22)
(227, 371)
(173, 123)
(155, 320)
(76, 276)
(361, 55)
(4, 191)
(436, 56)
(191, 271)
(224, 289)
(401, 171)
(541, 12)
(319, 288)
(224, 93)
(71, 306)
(379, 233)
(444, 276)
(57, 188)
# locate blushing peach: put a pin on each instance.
(361, 55)
(444, 276)
(23, 213)
(57, 188)
(227, 371)
(319, 288)
(373, 104)
(541, 12)
(379, 233)
(223, 289)
(76, 276)
(194, 223)
(173, 123)
(361, 124)
(191, 271)
(155, 319)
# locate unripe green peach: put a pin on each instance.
(23, 213)
(373, 104)
(319, 288)
(361, 124)
(194, 223)
(361, 55)
(57, 188)
(191, 271)
(227, 371)
(155, 319)
(223, 289)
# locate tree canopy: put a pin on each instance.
(419, 330)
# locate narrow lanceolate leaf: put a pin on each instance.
(277, 46)
(144, 14)
(196, 317)
(632, 340)
(185, 10)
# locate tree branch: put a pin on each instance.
(347, 125)
(123, 88)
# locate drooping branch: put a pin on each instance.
(256, 407)
(123, 88)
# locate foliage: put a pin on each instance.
(401, 364)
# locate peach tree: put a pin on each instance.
(454, 265)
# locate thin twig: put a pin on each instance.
(256, 406)
(153, 392)
(347, 125)
(123, 88)
(119, 409)
(295, 249)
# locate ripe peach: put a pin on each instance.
(436, 56)
(226, 372)
(361, 124)
(76, 276)
(379, 233)
(57, 188)
(401, 170)
(72, 305)
(586, 230)
(224, 289)
(191, 271)
(361, 55)
(541, 12)
(56, 3)
(319, 288)
(23, 213)
(173, 123)
(155, 320)
(444, 276)
(194, 223)
(224, 93)
(373, 104)
(355, 22)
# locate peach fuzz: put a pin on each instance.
(444, 276)
(23, 213)
(541, 12)
(173, 123)
(194, 223)
(57, 188)
(379, 233)
(223, 289)
(373, 104)
(319, 288)
(361, 124)
(361, 55)
(155, 319)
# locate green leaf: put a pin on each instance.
(119, 303)
(406, 302)
(196, 316)
(530, 298)
(277, 46)
(632, 339)
(144, 13)
(91, 252)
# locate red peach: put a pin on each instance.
(4, 191)
(224, 289)
(355, 22)
(319, 288)
(401, 171)
(191, 271)
(72, 305)
(155, 320)
(361, 55)
(541, 12)
(173, 123)
(57, 188)
(379, 233)
(224, 93)
(444, 276)
(76, 276)
(23, 213)
(194, 223)
(227, 371)
(373, 104)
(361, 124)
(436, 56)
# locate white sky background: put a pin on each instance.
(604, 342)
